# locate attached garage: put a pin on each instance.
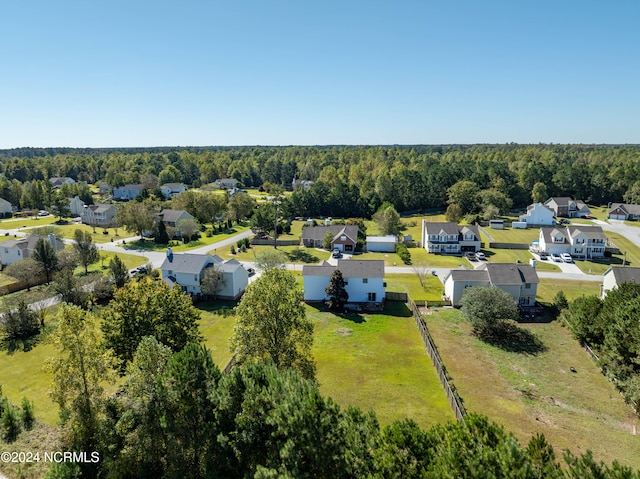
(381, 244)
(618, 217)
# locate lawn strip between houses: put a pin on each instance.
(538, 393)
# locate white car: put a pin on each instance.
(480, 255)
(556, 257)
(566, 257)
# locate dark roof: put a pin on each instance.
(589, 231)
(625, 275)
(100, 208)
(171, 216)
(468, 275)
(505, 273)
(317, 233)
(186, 262)
(450, 228)
(229, 266)
(629, 208)
(349, 268)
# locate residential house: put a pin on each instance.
(57, 182)
(126, 192)
(186, 270)
(567, 207)
(171, 218)
(615, 276)
(538, 215)
(519, 280)
(364, 281)
(580, 241)
(383, 244)
(103, 215)
(297, 183)
(449, 238)
(169, 190)
(6, 208)
(344, 237)
(14, 250)
(76, 206)
(624, 211)
(226, 182)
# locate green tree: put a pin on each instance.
(187, 227)
(487, 308)
(148, 308)
(46, 256)
(327, 240)
(497, 199)
(60, 207)
(388, 220)
(161, 236)
(270, 258)
(464, 194)
(28, 417)
(80, 370)
(66, 285)
(632, 195)
(263, 218)
(540, 192)
(137, 217)
(212, 281)
(119, 272)
(19, 326)
(272, 324)
(86, 249)
(241, 205)
(29, 271)
(453, 213)
(336, 291)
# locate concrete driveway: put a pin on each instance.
(632, 233)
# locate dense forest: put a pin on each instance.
(353, 180)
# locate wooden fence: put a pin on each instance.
(269, 242)
(20, 285)
(509, 245)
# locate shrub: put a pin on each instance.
(28, 418)
(404, 254)
(10, 423)
(233, 249)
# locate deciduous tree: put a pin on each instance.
(46, 256)
(487, 308)
(86, 249)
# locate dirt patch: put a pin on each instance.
(344, 331)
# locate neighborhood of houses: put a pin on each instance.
(364, 279)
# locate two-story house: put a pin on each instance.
(126, 192)
(579, 241)
(169, 190)
(344, 237)
(103, 215)
(76, 206)
(567, 207)
(538, 215)
(519, 280)
(615, 276)
(364, 281)
(624, 211)
(6, 208)
(449, 238)
(14, 250)
(186, 270)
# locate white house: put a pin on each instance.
(187, 270)
(99, 215)
(538, 215)
(6, 208)
(126, 192)
(615, 276)
(364, 280)
(76, 206)
(579, 241)
(449, 238)
(169, 190)
(383, 244)
(14, 250)
(519, 280)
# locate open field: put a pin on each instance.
(217, 330)
(378, 362)
(512, 235)
(628, 250)
(410, 284)
(31, 221)
(150, 245)
(548, 288)
(537, 393)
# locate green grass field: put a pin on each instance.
(548, 288)
(204, 240)
(378, 362)
(537, 393)
(410, 284)
(31, 221)
(217, 330)
(513, 235)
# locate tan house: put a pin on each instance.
(344, 237)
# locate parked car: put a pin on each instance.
(556, 257)
(336, 253)
(565, 221)
(43, 213)
(471, 256)
(542, 256)
(251, 271)
(141, 270)
(480, 255)
(566, 257)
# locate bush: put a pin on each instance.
(233, 249)
(10, 423)
(404, 254)
(28, 418)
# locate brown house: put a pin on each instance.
(345, 237)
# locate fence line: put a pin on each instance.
(230, 364)
(454, 400)
(485, 232)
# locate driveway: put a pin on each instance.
(632, 233)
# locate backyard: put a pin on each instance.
(533, 391)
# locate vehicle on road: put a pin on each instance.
(480, 255)
(556, 257)
(336, 253)
(566, 257)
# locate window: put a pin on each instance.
(371, 296)
(527, 285)
(195, 277)
(365, 280)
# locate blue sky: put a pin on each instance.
(177, 73)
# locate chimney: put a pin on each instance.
(170, 254)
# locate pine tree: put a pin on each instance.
(336, 292)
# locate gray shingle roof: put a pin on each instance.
(449, 228)
(350, 269)
(468, 275)
(629, 208)
(588, 231)
(504, 273)
(625, 275)
(171, 216)
(317, 233)
(186, 262)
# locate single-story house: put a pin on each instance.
(616, 275)
(449, 238)
(580, 241)
(519, 280)
(186, 270)
(14, 250)
(624, 211)
(127, 192)
(76, 206)
(226, 182)
(99, 215)
(6, 208)
(169, 190)
(171, 217)
(57, 182)
(538, 215)
(345, 237)
(364, 280)
(383, 244)
(566, 206)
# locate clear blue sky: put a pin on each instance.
(175, 73)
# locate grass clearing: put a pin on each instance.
(410, 284)
(531, 394)
(42, 438)
(378, 362)
(204, 240)
(29, 222)
(548, 288)
(217, 329)
(628, 250)
(514, 235)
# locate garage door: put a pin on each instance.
(617, 217)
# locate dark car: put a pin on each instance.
(471, 256)
(251, 271)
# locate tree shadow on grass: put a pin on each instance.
(302, 256)
(510, 337)
(24, 344)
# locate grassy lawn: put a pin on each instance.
(537, 393)
(548, 288)
(514, 235)
(43, 437)
(150, 245)
(217, 330)
(410, 284)
(13, 223)
(295, 254)
(513, 255)
(628, 250)
(378, 362)
(67, 231)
